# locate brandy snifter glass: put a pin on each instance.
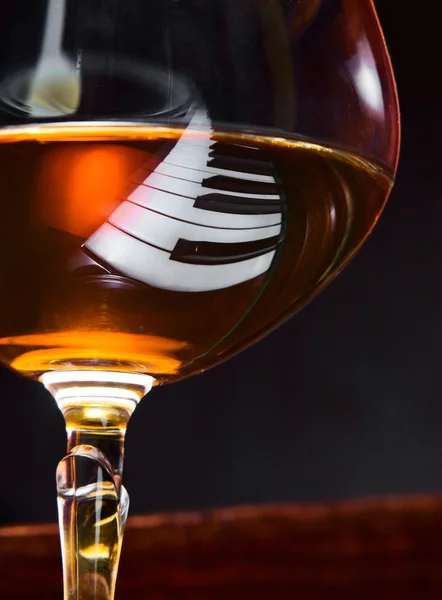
(177, 178)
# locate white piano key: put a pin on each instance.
(193, 189)
(196, 139)
(198, 170)
(164, 232)
(152, 266)
(198, 132)
(181, 207)
(192, 151)
(201, 118)
(182, 147)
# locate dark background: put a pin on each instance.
(343, 401)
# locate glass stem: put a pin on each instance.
(92, 503)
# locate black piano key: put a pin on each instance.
(215, 253)
(239, 151)
(238, 205)
(241, 186)
(241, 165)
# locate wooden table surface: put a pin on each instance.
(377, 549)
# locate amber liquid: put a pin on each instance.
(65, 304)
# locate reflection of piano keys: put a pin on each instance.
(208, 217)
